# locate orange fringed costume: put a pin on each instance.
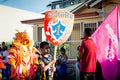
(22, 57)
(2, 66)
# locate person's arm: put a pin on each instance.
(81, 51)
(66, 56)
(59, 57)
(80, 55)
(45, 68)
(4, 55)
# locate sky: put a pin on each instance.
(37, 6)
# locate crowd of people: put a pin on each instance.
(44, 68)
(5, 71)
(88, 66)
(87, 62)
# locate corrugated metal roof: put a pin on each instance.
(70, 8)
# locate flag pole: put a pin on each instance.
(54, 57)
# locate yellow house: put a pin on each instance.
(89, 13)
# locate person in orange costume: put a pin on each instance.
(22, 57)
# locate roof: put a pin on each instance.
(32, 21)
(41, 20)
(73, 9)
(70, 8)
(87, 3)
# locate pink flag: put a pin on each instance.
(119, 50)
(106, 38)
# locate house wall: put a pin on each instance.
(87, 10)
(109, 5)
(35, 34)
(88, 19)
(10, 22)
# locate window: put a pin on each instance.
(92, 25)
(57, 6)
(73, 41)
(99, 22)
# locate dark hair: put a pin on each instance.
(10, 45)
(78, 47)
(3, 42)
(42, 44)
(88, 31)
(62, 49)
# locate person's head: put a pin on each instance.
(87, 32)
(3, 43)
(10, 45)
(78, 48)
(44, 47)
(58, 62)
(62, 50)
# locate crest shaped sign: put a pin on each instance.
(58, 25)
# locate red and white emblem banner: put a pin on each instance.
(58, 25)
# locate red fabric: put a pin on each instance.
(88, 60)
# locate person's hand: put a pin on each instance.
(53, 61)
(53, 69)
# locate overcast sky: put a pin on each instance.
(37, 6)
